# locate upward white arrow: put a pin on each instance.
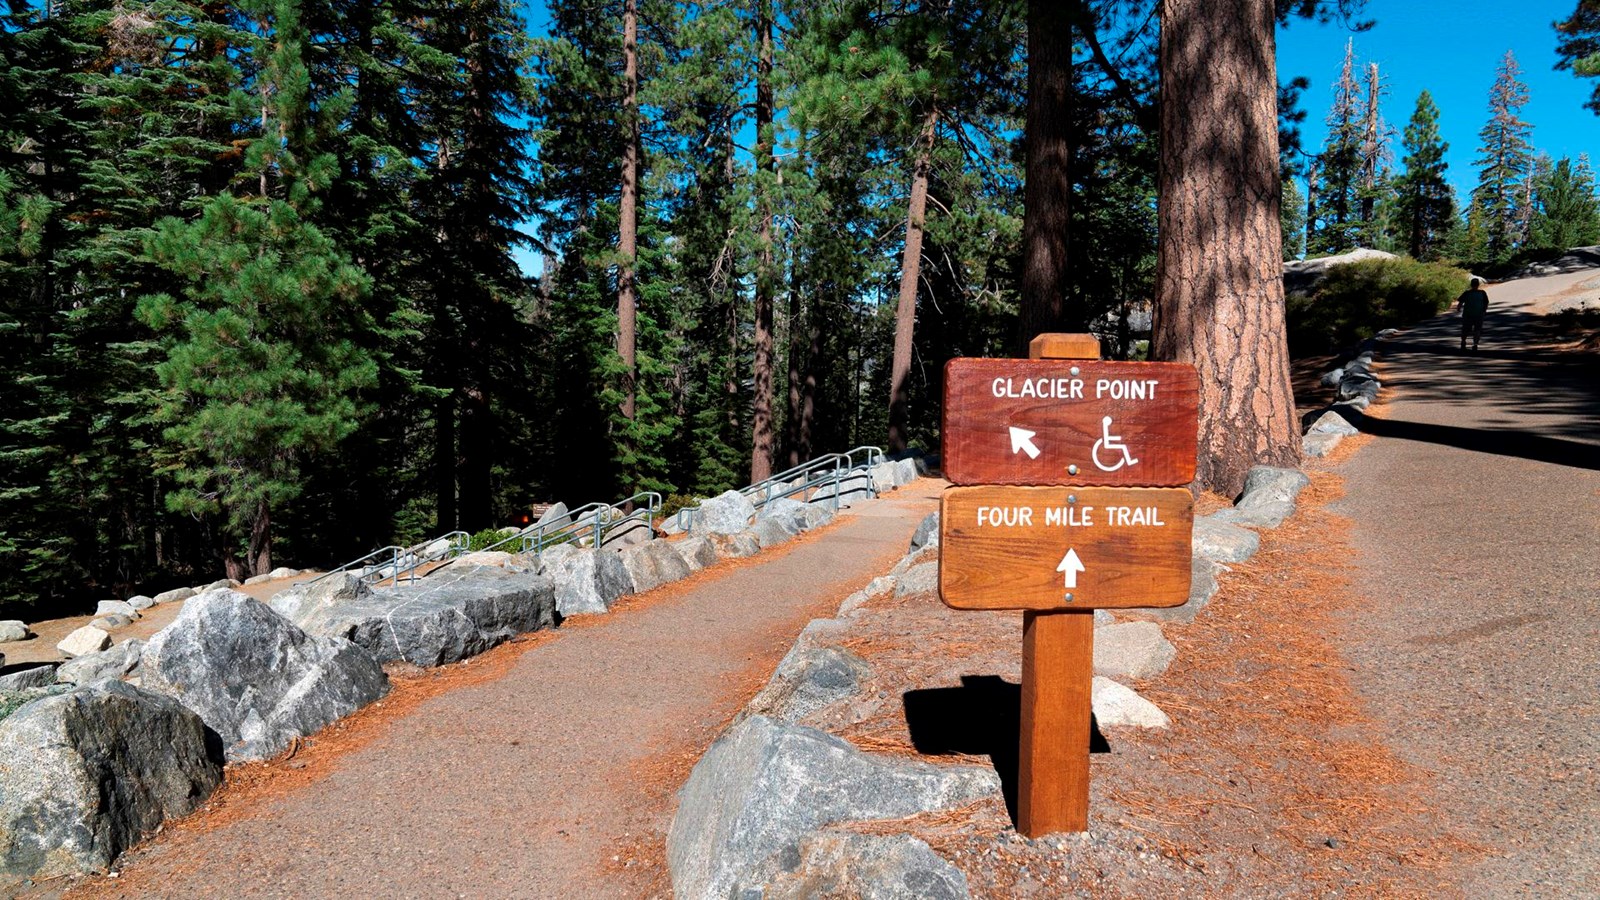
(1022, 441)
(1071, 565)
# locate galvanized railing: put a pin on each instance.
(396, 562)
(592, 521)
(831, 470)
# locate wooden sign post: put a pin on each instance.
(1069, 499)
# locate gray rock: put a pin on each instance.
(817, 515)
(764, 785)
(283, 572)
(1265, 515)
(444, 618)
(913, 559)
(927, 533)
(1221, 541)
(653, 564)
(879, 586)
(263, 578)
(1364, 387)
(221, 584)
(89, 772)
(773, 531)
(1133, 650)
(905, 472)
(867, 867)
(1332, 379)
(116, 608)
(1319, 444)
(114, 663)
(783, 508)
(85, 640)
(13, 630)
(257, 679)
(554, 518)
(919, 579)
(175, 594)
(23, 679)
(111, 623)
(1331, 422)
(884, 477)
(587, 582)
(1270, 484)
(1202, 587)
(1356, 403)
(552, 555)
(808, 679)
(736, 546)
(726, 513)
(698, 552)
(853, 486)
(491, 558)
(627, 534)
(293, 603)
(140, 602)
(1118, 706)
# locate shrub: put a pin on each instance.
(1357, 300)
(675, 502)
(484, 538)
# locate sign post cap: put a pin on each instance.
(1064, 345)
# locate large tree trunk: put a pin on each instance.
(444, 461)
(905, 313)
(791, 421)
(761, 450)
(628, 206)
(1219, 275)
(1047, 185)
(260, 554)
(477, 458)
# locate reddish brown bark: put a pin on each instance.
(628, 206)
(761, 449)
(1047, 185)
(1219, 285)
(905, 313)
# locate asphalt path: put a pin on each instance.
(1477, 510)
(528, 784)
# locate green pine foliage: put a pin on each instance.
(1425, 205)
(1505, 160)
(1566, 212)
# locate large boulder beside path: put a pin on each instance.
(588, 581)
(839, 863)
(1222, 541)
(84, 641)
(114, 663)
(763, 786)
(87, 773)
(653, 564)
(257, 679)
(447, 617)
(727, 513)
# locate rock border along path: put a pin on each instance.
(527, 784)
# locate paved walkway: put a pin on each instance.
(1477, 514)
(528, 784)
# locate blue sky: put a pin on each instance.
(1452, 50)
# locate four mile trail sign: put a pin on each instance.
(1069, 497)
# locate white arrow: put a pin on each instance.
(1071, 565)
(1022, 442)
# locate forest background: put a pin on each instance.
(259, 290)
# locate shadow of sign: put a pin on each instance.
(982, 717)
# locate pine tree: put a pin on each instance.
(1578, 45)
(1566, 210)
(1505, 159)
(261, 370)
(1340, 166)
(1425, 205)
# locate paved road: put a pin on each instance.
(525, 785)
(1478, 528)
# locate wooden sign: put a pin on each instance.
(1060, 548)
(1049, 421)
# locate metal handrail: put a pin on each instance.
(834, 468)
(593, 519)
(402, 560)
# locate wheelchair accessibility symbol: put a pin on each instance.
(1112, 445)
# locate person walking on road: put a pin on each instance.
(1473, 305)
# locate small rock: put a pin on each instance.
(497, 559)
(1223, 542)
(24, 679)
(111, 623)
(1331, 422)
(219, 585)
(736, 546)
(1271, 484)
(257, 579)
(283, 572)
(84, 641)
(905, 472)
(1202, 587)
(916, 558)
(773, 531)
(1116, 705)
(140, 602)
(726, 513)
(1134, 650)
(554, 518)
(927, 533)
(182, 593)
(808, 679)
(879, 586)
(922, 578)
(1319, 444)
(13, 630)
(114, 663)
(1332, 379)
(654, 564)
(116, 608)
(698, 552)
